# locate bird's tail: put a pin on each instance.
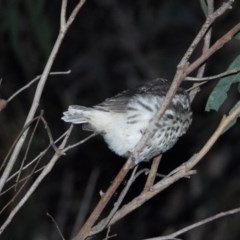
(76, 114)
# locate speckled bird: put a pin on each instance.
(123, 119)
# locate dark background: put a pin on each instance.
(112, 46)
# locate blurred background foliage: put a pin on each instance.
(114, 45)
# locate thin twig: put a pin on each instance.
(49, 135)
(215, 47)
(117, 204)
(85, 230)
(22, 186)
(197, 224)
(56, 225)
(74, 13)
(38, 94)
(35, 184)
(86, 200)
(210, 19)
(179, 173)
(183, 71)
(80, 142)
(226, 73)
(63, 13)
(206, 45)
(179, 76)
(40, 155)
(33, 81)
(27, 149)
(104, 222)
(16, 140)
(21, 180)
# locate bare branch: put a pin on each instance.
(179, 76)
(57, 227)
(87, 198)
(33, 81)
(16, 140)
(206, 45)
(40, 155)
(210, 19)
(197, 224)
(80, 142)
(85, 230)
(180, 172)
(215, 47)
(74, 13)
(63, 13)
(152, 173)
(183, 71)
(117, 204)
(36, 183)
(27, 149)
(226, 73)
(38, 94)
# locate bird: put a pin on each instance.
(123, 119)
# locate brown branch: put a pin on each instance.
(33, 81)
(179, 76)
(183, 71)
(85, 230)
(86, 200)
(36, 183)
(215, 47)
(103, 224)
(152, 173)
(79, 143)
(40, 155)
(56, 225)
(180, 172)
(206, 45)
(16, 141)
(21, 180)
(27, 149)
(197, 224)
(223, 74)
(38, 92)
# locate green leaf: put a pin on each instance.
(204, 6)
(237, 36)
(235, 120)
(220, 92)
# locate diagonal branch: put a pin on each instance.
(197, 224)
(179, 77)
(180, 172)
(38, 93)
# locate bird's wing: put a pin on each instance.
(117, 103)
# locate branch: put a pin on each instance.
(33, 81)
(117, 204)
(206, 45)
(85, 230)
(36, 183)
(215, 47)
(180, 172)
(152, 173)
(38, 93)
(86, 200)
(179, 76)
(197, 224)
(56, 225)
(183, 71)
(226, 73)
